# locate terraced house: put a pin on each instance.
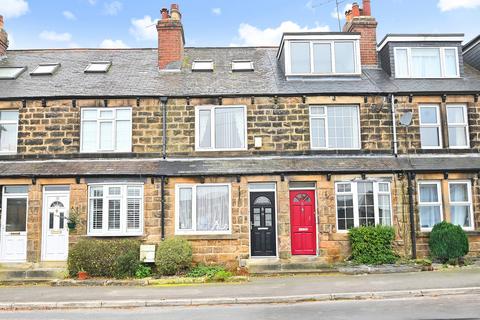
(250, 152)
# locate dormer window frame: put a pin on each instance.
(321, 39)
(443, 68)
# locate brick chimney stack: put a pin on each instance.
(171, 39)
(3, 39)
(361, 20)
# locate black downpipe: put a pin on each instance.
(164, 101)
(411, 176)
(163, 207)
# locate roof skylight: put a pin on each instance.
(202, 65)
(45, 69)
(98, 67)
(242, 65)
(11, 73)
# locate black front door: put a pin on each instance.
(262, 224)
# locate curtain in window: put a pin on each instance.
(460, 213)
(457, 127)
(229, 128)
(426, 62)
(185, 209)
(429, 214)
(401, 63)
(205, 128)
(450, 63)
(212, 208)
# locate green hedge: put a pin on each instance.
(448, 242)
(105, 258)
(173, 256)
(372, 245)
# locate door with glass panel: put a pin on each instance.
(13, 229)
(262, 220)
(55, 218)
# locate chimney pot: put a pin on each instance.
(1, 22)
(164, 13)
(355, 9)
(175, 12)
(367, 10)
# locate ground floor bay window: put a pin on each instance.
(203, 209)
(115, 210)
(363, 203)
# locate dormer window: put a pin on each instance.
(321, 54)
(426, 62)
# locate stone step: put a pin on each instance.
(32, 274)
(289, 267)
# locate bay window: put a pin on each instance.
(426, 62)
(461, 209)
(8, 131)
(363, 203)
(203, 209)
(457, 126)
(430, 133)
(106, 130)
(221, 128)
(115, 210)
(335, 127)
(429, 204)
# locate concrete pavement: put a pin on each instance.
(456, 307)
(259, 290)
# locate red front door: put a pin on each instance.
(302, 220)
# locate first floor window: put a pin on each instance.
(429, 204)
(115, 209)
(220, 128)
(460, 195)
(430, 134)
(203, 208)
(8, 131)
(457, 126)
(106, 130)
(363, 203)
(334, 127)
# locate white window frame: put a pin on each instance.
(468, 203)
(442, 62)
(11, 122)
(464, 124)
(354, 194)
(212, 109)
(123, 231)
(437, 125)
(99, 120)
(193, 231)
(325, 117)
(430, 204)
(356, 55)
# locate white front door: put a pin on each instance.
(13, 230)
(54, 226)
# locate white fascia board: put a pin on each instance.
(419, 39)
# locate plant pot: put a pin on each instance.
(71, 225)
(82, 275)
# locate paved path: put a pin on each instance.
(456, 307)
(258, 287)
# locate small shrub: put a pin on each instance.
(204, 271)
(221, 276)
(173, 256)
(143, 271)
(372, 245)
(448, 242)
(126, 265)
(104, 258)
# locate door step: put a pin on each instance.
(288, 267)
(30, 273)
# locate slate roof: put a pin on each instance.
(134, 73)
(248, 166)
